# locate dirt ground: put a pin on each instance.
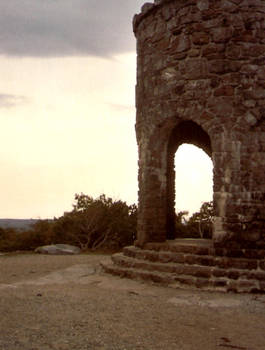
(68, 303)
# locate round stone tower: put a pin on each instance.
(201, 80)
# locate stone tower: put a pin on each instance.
(201, 80)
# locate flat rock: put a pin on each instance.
(58, 249)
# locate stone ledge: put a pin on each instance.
(189, 269)
(204, 247)
(184, 262)
(165, 256)
(186, 281)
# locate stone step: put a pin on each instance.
(125, 261)
(189, 269)
(184, 257)
(203, 247)
(141, 274)
(184, 281)
(168, 256)
(188, 246)
(190, 262)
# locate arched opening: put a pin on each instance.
(193, 186)
(186, 132)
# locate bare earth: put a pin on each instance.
(67, 302)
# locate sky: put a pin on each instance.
(67, 112)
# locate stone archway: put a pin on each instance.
(184, 132)
(200, 71)
(200, 78)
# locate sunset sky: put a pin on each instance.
(67, 113)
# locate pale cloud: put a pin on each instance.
(51, 28)
(68, 139)
(9, 101)
(66, 109)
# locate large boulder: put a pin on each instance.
(58, 249)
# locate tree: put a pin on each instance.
(181, 224)
(94, 223)
(203, 220)
(180, 217)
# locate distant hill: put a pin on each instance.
(18, 224)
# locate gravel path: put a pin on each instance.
(68, 303)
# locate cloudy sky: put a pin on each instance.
(67, 114)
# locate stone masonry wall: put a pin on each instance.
(201, 80)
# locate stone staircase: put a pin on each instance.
(192, 263)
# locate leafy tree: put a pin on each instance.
(203, 220)
(181, 224)
(199, 225)
(181, 217)
(9, 239)
(94, 223)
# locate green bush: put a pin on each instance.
(92, 224)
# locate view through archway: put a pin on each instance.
(193, 179)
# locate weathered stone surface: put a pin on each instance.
(200, 80)
(181, 43)
(200, 38)
(262, 265)
(221, 34)
(222, 273)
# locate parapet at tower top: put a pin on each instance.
(147, 7)
(144, 9)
